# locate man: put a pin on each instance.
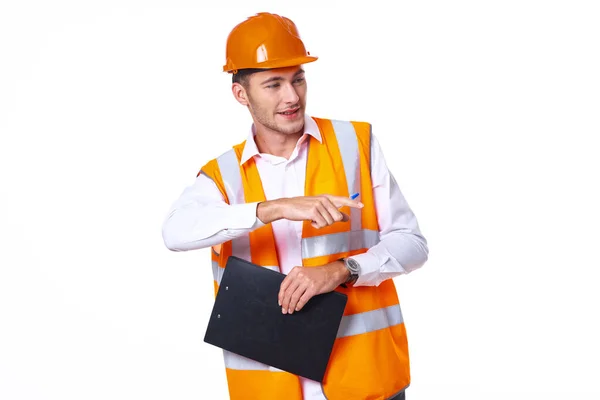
(283, 199)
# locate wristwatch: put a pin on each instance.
(354, 267)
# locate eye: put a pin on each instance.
(273, 86)
(299, 80)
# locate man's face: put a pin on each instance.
(277, 99)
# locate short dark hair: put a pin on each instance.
(242, 75)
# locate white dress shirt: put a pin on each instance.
(201, 218)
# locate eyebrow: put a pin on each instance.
(279, 78)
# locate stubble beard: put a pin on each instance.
(268, 120)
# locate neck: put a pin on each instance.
(276, 143)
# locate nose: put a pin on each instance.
(290, 96)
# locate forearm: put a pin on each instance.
(397, 253)
(339, 272)
(201, 218)
(269, 211)
(198, 227)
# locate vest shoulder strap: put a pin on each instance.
(225, 165)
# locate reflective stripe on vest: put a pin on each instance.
(348, 144)
(340, 242)
(218, 271)
(369, 321)
(232, 180)
(235, 361)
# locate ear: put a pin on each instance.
(239, 93)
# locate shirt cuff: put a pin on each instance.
(371, 265)
(243, 218)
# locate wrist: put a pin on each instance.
(353, 269)
(342, 274)
(268, 211)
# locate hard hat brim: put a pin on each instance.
(270, 64)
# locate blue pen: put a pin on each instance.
(355, 195)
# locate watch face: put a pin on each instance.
(352, 265)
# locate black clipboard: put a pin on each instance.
(247, 320)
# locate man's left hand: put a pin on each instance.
(302, 283)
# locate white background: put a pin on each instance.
(488, 113)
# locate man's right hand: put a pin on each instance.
(321, 210)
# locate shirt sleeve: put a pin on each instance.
(201, 218)
(402, 247)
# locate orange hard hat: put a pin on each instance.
(265, 40)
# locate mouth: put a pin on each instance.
(290, 112)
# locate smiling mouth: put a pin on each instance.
(289, 112)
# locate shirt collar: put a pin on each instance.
(250, 150)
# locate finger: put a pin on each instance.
(308, 294)
(322, 208)
(287, 295)
(345, 217)
(298, 293)
(340, 201)
(289, 279)
(333, 211)
(317, 218)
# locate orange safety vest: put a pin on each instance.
(370, 358)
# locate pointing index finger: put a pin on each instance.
(340, 201)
